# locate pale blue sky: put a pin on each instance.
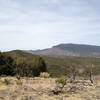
(38, 24)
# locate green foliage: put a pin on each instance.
(32, 67)
(61, 80)
(25, 64)
(21, 64)
(60, 83)
(56, 70)
(6, 65)
(58, 66)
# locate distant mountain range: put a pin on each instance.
(78, 50)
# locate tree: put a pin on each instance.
(20, 67)
(38, 65)
(73, 72)
(30, 67)
(6, 64)
(89, 69)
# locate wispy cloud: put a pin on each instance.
(30, 24)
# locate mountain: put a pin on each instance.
(79, 50)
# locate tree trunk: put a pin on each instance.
(73, 77)
(91, 78)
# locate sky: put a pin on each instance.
(39, 24)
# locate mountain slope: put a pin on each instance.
(56, 66)
(70, 50)
(19, 53)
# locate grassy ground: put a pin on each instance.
(41, 89)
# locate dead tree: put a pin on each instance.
(91, 74)
(73, 73)
(89, 71)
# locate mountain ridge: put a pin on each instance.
(70, 49)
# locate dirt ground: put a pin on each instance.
(41, 89)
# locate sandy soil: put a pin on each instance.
(41, 89)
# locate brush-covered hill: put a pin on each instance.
(19, 53)
(78, 50)
(57, 66)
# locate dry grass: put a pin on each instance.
(41, 89)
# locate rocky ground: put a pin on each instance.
(41, 89)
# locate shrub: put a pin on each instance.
(29, 68)
(7, 81)
(6, 65)
(21, 66)
(19, 82)
(60, 83)
(44, 75)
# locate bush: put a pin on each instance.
(21, 66)
(44, 75)
(61, 81)
(6, 65)
(19, 82)
(30, 68)
(7, 81)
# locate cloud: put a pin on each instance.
(31, 24)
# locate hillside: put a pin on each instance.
(78, 50)
(57, 66)
(19, 53)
